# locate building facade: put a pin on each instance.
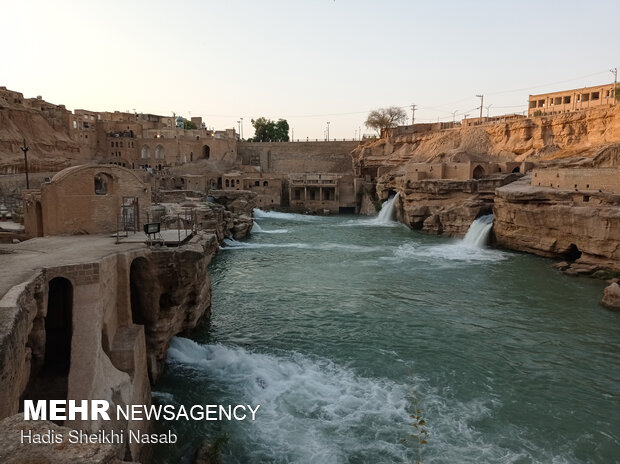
(567, 101)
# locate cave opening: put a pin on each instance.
(572, 253)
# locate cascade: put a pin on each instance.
(478, 232)
(386, 214)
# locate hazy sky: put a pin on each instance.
(307, 61)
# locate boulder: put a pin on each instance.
(611, 297)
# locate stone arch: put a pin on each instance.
(102, 183)
(145, 152)
(206, 151)
(478, 172)
(160, 152)
(516, 170)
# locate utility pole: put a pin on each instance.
(615, 73)
(481, 97)
(488, 108)
(413, 106)
(241, 129)
(239, 124)
(454, 116)
(328, 131)
(25, 150)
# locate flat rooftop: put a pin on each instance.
(20, 262)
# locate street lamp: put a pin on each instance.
(241, 129)
(454, 116)
(25, 149)
(488, 108)
(328, 131)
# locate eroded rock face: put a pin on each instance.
(441, 207)
(559, 224)
(170, 292)
(611, 297)
(539, 138)
(13, 452)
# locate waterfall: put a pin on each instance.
(256, 228)
(478, 232)
(386, 214)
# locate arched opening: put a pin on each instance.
(160, 153)
(206, 152)
(572, 253)
(145, 152)
(50, 380)
(140, 283)
(478, 172)
(38, 211)
(103, 183)
(516, 170)
(191, 156)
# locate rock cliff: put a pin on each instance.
(542, 138)
(559, 223)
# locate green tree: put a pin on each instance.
(187, 124)
(267, 130)
(384, 118)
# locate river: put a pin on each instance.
(340, 327)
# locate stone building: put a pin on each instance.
(462, 171)
(600, 179)
(322, 192)
(87, 199)
(571, 100)
(472, 122)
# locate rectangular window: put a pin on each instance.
(566, 100)
(557, 101)
(586, 97)
(595, 95)
(541, 103)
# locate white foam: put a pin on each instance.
(478, 233)
(260, 214)
(316, 411)
(448, 252)
(232, 244)
(257, 229)
(312, 410)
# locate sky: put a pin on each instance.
(308, 61)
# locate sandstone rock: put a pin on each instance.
(12, 451)
(561, 266)
(611, 297)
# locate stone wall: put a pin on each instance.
(306, 157)
(589, 179)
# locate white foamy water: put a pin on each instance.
(315, 411)
(232, 244)
(470, 249)
(257, 229)
(478, 233)
(312, 411)
(386, 215)
(260, 214)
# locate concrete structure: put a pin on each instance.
(318, 193)
(306, 157)
(87, 199)
(571, 100)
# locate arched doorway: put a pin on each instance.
(191, 156)
(478, 172)
(145, 152)
(160, 153)
(516, 170)
(206, 152)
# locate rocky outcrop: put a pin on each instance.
(611, 297)
(171, 291)
(441, 207)
(581, 228)
(570, 135)
(240, 203)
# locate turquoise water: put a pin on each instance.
(333, 324)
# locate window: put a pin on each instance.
(595, 95)
(256, 183)
(101, 184)
(112, 144)
(227, 183)
(265, 183)
(74, 124)
(566, 100)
